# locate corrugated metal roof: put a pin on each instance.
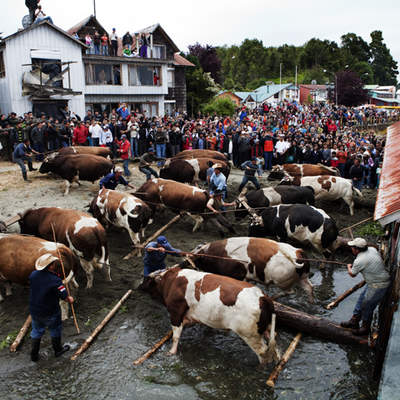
(244, 95)
(265, 92)
(387, 207)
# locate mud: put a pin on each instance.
(210, 364)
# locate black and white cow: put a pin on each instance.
(273, 196)
(298, 222)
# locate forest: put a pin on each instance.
(249, 65)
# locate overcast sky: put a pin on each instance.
(219, 22)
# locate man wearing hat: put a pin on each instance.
(369, 262)
(145, 163)
(154, 256)
(216, 204)
(111, 180)
(250, 168)
(218, 180)
(46, 289)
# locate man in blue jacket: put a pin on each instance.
(112, 180)
(46, 289)
(250, 168)
(23, 153)
(154, 256)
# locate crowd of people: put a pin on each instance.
(276, 134)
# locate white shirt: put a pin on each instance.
(281, 147)
(95, 131)
(133, 127)
(106, 137)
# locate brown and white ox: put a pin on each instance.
(94, 150)
(122, 210)
(163, 193)
(18, 254)
(329, 188)
(76, 167)
(82, 233)
(280, 171)
(262, 260)
(192, 170)
(198, 153)
(217, 301)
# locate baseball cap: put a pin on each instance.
(162, 240)
(358, 242)
(119, 169)
(44, 261)
(123, 136)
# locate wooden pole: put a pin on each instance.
(288, 353)
(158, 233)
(90, 339)
(66, 284)
(12, 220)
(358, 223)
(148, 353)
(347, 293)
(21, 334)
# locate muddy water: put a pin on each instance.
(210, 364)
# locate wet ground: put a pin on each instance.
(209, 364)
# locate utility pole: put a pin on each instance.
(295, 83)
(94, 7)
(280, 80)
(336, 89)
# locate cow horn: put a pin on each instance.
(69, 277)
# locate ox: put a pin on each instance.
(329, 188)
(273, 196)
(76, 167)
(198, 153)
(122, 210)
(216, 301)
(158, 193)
(18, 255)
(93, 150)
(280, 171)
(190, 170)
(262, 260)
(82, 233)
(298, 222)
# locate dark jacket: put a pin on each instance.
(46, 289)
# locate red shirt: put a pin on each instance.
(125, 146)
(80, 135)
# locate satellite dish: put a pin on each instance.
(26, 21)
(313, 82)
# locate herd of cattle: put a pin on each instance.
(219, 297)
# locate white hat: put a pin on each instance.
(358, 242)
(44, 261)
(119, 169)
(219, 166)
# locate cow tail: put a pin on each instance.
(266, 311)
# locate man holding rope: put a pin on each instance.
(46, 288)
(369, 262)
(216, 204)
(154, 256)
(23, 153)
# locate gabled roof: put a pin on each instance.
(314, 87)
(43, 23)
(243, 95)
(267, 91)
(179, 60)
(84, 22)
(153, 28)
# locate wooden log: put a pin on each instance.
(90, 339)
(21, 334)
(315, 326)
(347, 293)
(288, 353)
(148, 353)
(12, 220)
(154, 236)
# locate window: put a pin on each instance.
(103, 74)
(51, 68)
(2, 66)
(159, 51)
(144, 75)
(171, 77)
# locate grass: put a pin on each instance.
(8, 340)
(370, 229)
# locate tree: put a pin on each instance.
(383, 65)
(355, 49)
(208, 58)
(221, 106)
(349, 88)
(200, 88)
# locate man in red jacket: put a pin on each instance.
(124, 150)
(80, 137)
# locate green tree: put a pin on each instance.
(383, 65)
(222, 106)
(355, 49)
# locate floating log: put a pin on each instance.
(154, 236)
(21, 334)
(90, 339)
(316, 326)
(288, 353)
(148, 353)
(347, 293)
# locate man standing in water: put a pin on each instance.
(369, 262)
(46, 289)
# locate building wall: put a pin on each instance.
(230, 96)
(18, 53)
(5, 97)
